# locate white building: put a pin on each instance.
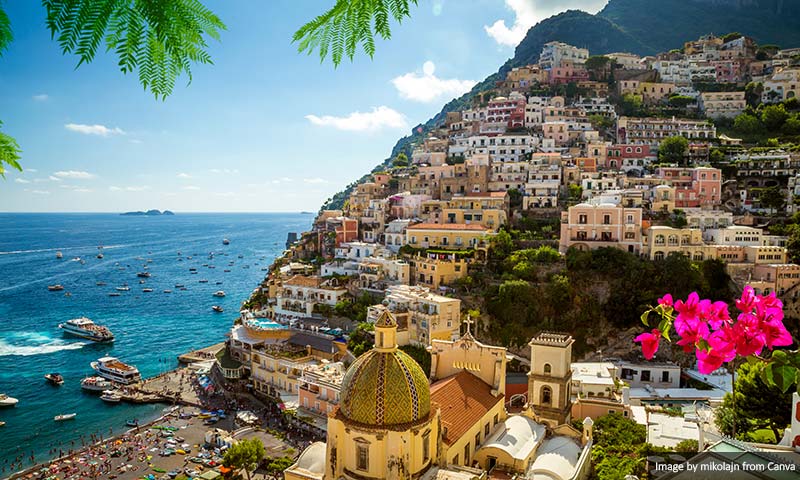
(554, 54)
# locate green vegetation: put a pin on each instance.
(618, 447)
(9, 149)
(401, 160)
(421, 355)
(245, 455)
(673, 150)
(354, 310)
(758, 406)
(349, 24)
(276, 466)
(361, 339)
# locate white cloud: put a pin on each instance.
(82, 190)
(428, 87)
(224, 170)
(184, 175)
(438, 6)
(315, 180)
(191, 187)
(282, 180)
(100, 130)
(377, 119)
(21, 180)
(38, 192)
(75, 174)
(225, 194)
(31, 170)
(528, 13)
(141, 188)
(42, 97)
(53, 179)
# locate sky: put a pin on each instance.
(264, 128)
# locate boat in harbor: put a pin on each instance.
(179, 285)
(114, 294)
(6, 401)
(217, 308)
(101, 284)
(226, 271)
(59, 255)
(95, 384)
(2, 424)
(123, 288)
(132, 423)
(55, 288)
(147, 290)
(100, 256)
(85, 328)
(76, 259)
(54, 378)
(66, 416)
(110, 396)
(203, 280)
(225, 241)
(167, 291)
(219, 293)
(144, 275)
(111, 368)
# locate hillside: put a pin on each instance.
(638, 26)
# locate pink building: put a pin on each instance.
(319, 388)
(729, 71)
(334, 232)
(510, 111)
(622, 154)
(591, 226)
(566, 74)
(694, 187)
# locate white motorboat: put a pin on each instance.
(112, 369)
(110, 396)
(123, 288)
(95, 384)
(219, 293)
(6, 401)
(66, 416)
(59, 255)
(85, 328)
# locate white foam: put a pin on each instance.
(48, 346)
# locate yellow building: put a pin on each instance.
(487, 209)
(454, 236)
(435, 269)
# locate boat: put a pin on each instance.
(192, 269)
(141, 282)
(123, 288)
(132, 423)
(217, 308)
(203, 280)
(55, 288)
(95, 384)
(144, 274)
(59, 255)
(101, 284)
(85, 328)
(110, 396)
(114, 294)
(2, 423)
(6, 401)
(112, 369)
(179, 285)
(226, 271)
(66, 416)
(167, 291)
(219, 293)
(54, 378)
(219, 283)
(76, 259)
(147, 290)
(100, 255)
(225, 241)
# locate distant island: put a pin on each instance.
(149, 213)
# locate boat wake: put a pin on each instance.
(26, 344)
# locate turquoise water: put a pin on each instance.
(151, 328)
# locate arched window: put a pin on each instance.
(547, 368)
(659, 239)
(547, 395)
(658, 256)
(673, 240)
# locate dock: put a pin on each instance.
(202, 354)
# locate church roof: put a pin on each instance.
(385, 388)
(464, 399)
(556, 458)
(311, 463)
(518, 436)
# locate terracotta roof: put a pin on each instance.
(464, 400)
(303, 281)
(448, 226)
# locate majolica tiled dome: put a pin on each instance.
(384, 388)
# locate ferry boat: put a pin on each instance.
(55, 288)
(219, 293)
(225, 241)
(110, 396)
(112, 369)
(85, 328)
(59, 255)
(6, 401)
(66, 416)
(217, 308)
(54, 378)
(95, 384)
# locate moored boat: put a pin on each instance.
(65, 416)
(6, 401)
(219, 293)
(144, 274)
(147, 290)
(101, 284)
(123, 288)
(225, 241)
(55, 288)
(95, 384)
(132, 423)
(59, 255)
(54, 378)
(217, 308)
(112, 369)
(85, 328)
(114, 294)
(110, 396)
(100, 255)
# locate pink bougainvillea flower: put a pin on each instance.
(718, 315)
(723, 343)
(748, 300)
(747, 335)
(690, 309)
(691, 330)
(649, 341)
(775, 334)
(770, 308)
(708, 361)
(666, 300)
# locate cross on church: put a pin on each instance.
(468, 321)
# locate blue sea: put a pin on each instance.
(151, 328)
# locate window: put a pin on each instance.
(467, 451)
(547, 368)
(665, 376)
(486, 430)
(477, 440)
(605, 236)
(606, 219)
(496, 418)
(547, 395)
(645, 375)
(426, 447)
(582, 219)
(362, 461)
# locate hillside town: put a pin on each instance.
(656, 157)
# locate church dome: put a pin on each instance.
(385, 388)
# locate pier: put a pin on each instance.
(201, 354)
